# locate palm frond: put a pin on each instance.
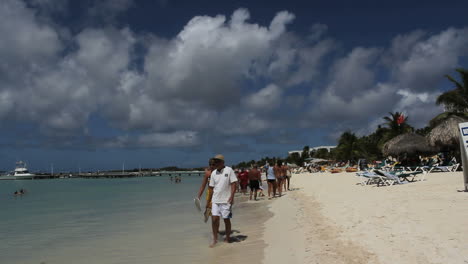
(464, 78)
(457, 84)
(453, 99)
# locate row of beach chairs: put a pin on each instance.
(389, 178)
(450, 166)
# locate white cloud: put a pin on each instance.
(214, 70)
(25, 43)
(175, 139)
(330, 107)
(209, 57)
(414, 65)
(420, 106)
(354, 74)
(266, 99)
(295, 62)
(421, 61)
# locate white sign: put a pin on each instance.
(464, 151)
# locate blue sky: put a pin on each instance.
(94, 84)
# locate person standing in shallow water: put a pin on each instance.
(223, 187)
(205, 181)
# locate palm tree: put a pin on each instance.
(397, 123)
(348, 147)
(456, 100)
(305, 152)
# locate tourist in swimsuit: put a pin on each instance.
(271, 179)
(255, 179)
(205, 181)
(279, 177)
(287, 173)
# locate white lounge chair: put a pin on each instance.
(368, 177)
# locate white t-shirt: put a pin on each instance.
(221, 181)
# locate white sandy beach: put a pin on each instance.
(328, 218)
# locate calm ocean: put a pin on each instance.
(136, 220)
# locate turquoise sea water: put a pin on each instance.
(137, 220)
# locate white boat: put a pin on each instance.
(21, 171)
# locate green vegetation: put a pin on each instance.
(456, 100)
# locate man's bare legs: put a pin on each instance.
(227, 224)
(215, 228)
(271, 187)
(288, 179)
(280, 183)
(255, 196)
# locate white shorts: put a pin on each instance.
(221, 209)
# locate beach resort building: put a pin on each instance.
(312, 149)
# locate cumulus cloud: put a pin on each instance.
(210, 57)
(414, 64)
(169, 92)
(421, 59)
(25, 42)
(266, 99)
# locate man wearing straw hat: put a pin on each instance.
(223, 187)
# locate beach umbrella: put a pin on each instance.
(315, 160)
(407, 143)
(446, 133)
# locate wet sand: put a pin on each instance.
(248, 228)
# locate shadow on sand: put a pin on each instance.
(234, 238)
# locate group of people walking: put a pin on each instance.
(278, 178)
(222, 184)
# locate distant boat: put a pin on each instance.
(21, 171)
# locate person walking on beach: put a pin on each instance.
(287, 174)
(243, 180)
(205, 181)
(223, 187)
(255, 179)
(271, 179)
(279, 177)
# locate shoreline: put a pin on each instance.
(331, 219)
(248, 232)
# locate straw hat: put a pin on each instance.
(219, 157)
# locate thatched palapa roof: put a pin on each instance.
(407, 143)
(446, 133)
